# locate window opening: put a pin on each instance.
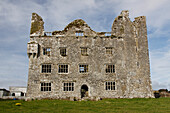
(45, 86)
(13, 94)
(63, 68)
(22, 94)
(79, 34)
(63, 51)
(109, 85)
(47, 51)
(138, 64)
(108, 50)
(83, 68)
(107, 34)
(68, 86)
(84, 51)
(110, 68)
(46, 68)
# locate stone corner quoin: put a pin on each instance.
(78, 62)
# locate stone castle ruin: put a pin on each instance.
(78, 62)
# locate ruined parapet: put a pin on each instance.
(140, 26)
(76, 26)
(121, 23)
(76, 23)
(119, 57)
(37, 25)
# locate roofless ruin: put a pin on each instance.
(78, 62)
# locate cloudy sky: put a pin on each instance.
(15, 22)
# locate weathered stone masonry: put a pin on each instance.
(79, 62)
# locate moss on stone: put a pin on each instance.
(101, 33)
(122, 30)
(57, 32)
(113, 36)
(34, 27)
(37, 23)
(77, 23)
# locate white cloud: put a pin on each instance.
(160, 67)
(13, 69)
(157, 85)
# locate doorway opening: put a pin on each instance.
(13, 94)
(22, 94)
(84, 91)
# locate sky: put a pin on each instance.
(15, 23)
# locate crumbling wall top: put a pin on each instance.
(120, 26)
(125, 13)
(37, 25)
(140, 18)
(77, 23)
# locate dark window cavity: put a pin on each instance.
(83, 68)
(109, 85)
(110, 69)
(45, 86)
(62, 68)
(46, 68)
(68, 86)
(47, 51)
(63, 51)
(84, 51)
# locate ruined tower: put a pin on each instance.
(78, 62)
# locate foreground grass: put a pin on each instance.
(161, 105)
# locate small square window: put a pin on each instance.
(84, 51)
(63, 51)
(110, 69)
(110, 85)
(109, 50)
(45, 86)
(108, 34)
(46, 68)
(79, 34)
(62, 68)
(47, 51)
(83, 68)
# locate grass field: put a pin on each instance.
(160, 105)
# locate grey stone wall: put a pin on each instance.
(129, 56)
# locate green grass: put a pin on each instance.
(161, 105)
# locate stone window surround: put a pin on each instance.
(46, 51)
(77, 68)
(114, 69)
(61, 52)
(109, 50)
(45, 64)
(87, 68)
(79, 33)
(84, 51)
(108, 34)
(63, 64)
(45, 86)
(71, 85)
(113, 81)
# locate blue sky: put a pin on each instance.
(15, 22)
